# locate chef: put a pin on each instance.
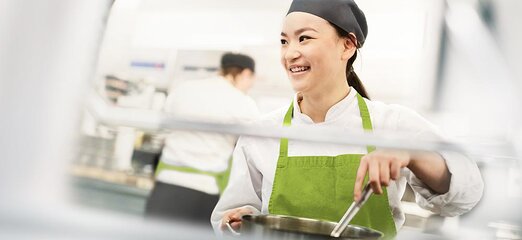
(319, 43)
(194, 166)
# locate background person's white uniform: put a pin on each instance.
(212, 100)
(255, 161)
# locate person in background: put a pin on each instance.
(319, 42)
(194, 166)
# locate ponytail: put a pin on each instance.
(353, 79)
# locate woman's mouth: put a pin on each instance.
(294, 70)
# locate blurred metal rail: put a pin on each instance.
(154, 121)
(72, 222)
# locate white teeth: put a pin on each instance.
(299, 69)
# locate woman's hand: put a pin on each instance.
(233, 216)
(385, 165)
(382, 167)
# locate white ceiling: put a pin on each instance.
(217, 5)
(227, 24)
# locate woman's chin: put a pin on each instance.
(298, 86)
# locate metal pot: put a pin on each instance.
(288, 227)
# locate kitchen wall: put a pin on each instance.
(398, 63)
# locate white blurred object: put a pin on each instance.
(158, 101)
(124, 147)
(506, 230)
(477, 80)
(47, 53)
(143, 99)
(514, 183)
(89, 124)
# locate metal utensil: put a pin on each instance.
(231, 229)
(351, 212)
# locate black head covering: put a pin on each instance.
(342, 13)
(237, 60)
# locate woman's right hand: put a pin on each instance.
(233, 216)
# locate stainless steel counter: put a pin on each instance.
(110, 190)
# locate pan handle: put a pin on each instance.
(232, 230)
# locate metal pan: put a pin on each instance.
(288, 227)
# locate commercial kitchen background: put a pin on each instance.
(82, 85)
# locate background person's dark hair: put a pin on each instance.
(233, 64)
(351, 77)
(233, 71)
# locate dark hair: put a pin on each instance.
(233, 71)
(351, 77)
(237, 60)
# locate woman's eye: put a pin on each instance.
(283, 42)
(302, 38)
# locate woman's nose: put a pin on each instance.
(292, 53)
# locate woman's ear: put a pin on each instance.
(350, 46)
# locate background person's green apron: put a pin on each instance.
(221, 177)
(321, 187)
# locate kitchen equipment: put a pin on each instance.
(352, 211)
(287, 227)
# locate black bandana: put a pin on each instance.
(342, 13)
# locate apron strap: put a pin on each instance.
(221, 177)
(283, 146)
(366, 120)
(365, 116)
(164, 166)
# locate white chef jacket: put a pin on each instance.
(255, 161)
(212, 100)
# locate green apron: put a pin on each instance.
(221, 177)
(321, 187)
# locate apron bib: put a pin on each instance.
(321, 187)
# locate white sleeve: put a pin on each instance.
(243, 189)
(465, 190)
(466, 185)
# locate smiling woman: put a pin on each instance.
(319, 41)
